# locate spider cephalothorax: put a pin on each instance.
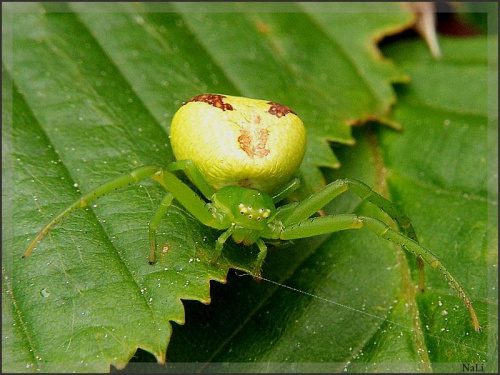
(241, 180)
(245, 207)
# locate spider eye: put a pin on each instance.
(258, 219)
(243, 209)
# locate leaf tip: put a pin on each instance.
(161, 358)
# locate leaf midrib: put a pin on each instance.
(381, 180)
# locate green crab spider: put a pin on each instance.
(252, 216)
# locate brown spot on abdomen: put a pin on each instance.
(247, 183)
(215, 100)
(279, 110)
(253, 142)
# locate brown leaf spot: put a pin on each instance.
(279, 110)
(215, 100)
(262, 27)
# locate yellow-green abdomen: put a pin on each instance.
(239, 141)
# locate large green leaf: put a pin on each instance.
(92, 96)
(90, 92)
(442, 171)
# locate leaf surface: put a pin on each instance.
(92, 93)
(353, 304)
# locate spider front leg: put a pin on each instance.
(178, 190)
(194, 175)
(219, 244)
(317, 201)
(188, 199)
(170, 182)
(323, 225)
(320, 199)
(286, 190)
(134, 176)
(260, 259)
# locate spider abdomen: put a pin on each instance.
(257, 144)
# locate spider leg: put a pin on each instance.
(322, 225)
(134, 176)
(194, 175)
(188, 198)
(260, 259)
(155, 221)
(219, 244)
(179, 190)
(286, 190)
(316, 201)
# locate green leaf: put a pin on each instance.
(91, 97)
(482, 16)
(441, 170)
